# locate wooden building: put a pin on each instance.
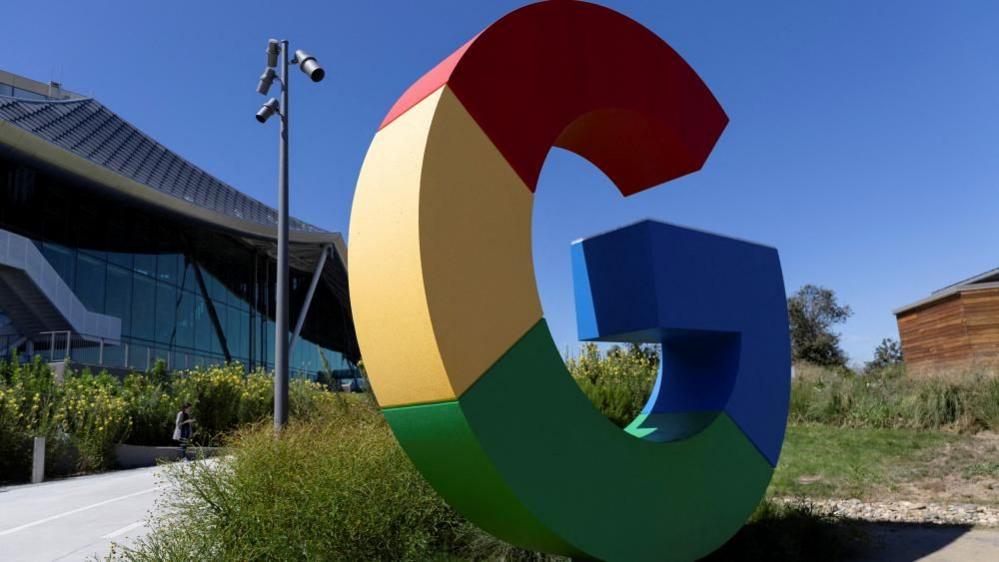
(955, 328)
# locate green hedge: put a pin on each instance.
(86, 415)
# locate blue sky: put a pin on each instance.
(863, 142)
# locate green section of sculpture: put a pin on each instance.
(525, 454)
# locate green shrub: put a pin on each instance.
(151, 407)
(214, 393)
(889, 398)
(94, 416)
(619, 382)
(334, 487)
(82, 417)
(87, 414)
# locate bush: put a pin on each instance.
(335, 486)
(888, 398)
(82, 417)
(94, 417)
(151, 408)
(215, 395)
(86, 415)
(618, 383)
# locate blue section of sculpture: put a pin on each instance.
(717, 306)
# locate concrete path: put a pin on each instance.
(892, 542)
(76, 518)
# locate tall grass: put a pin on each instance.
(890, 398)
(333, 487)
(619, 382)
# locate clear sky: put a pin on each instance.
(863, 142)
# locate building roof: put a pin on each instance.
(986, 280)
(85, 128)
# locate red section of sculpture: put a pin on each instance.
(533, 80)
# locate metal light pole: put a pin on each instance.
(310, 67)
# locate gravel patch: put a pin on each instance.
(904, 511)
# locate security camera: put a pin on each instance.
(267, 110)
(273, 49)
(309, 65)
(265, 81)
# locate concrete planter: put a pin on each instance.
(137, 456)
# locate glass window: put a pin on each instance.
(62, 260)
(221, 313)
(103, 256)
(215, 288)
(166, 312)
(234, 334)
(185, 320)
(124, 260)
(190, 280)
(145, 264)
(6, 90)
(166, 268)
(27, 95)
(143, 307)
(256, 355)
(269, 344)
(90, 274)
(139, 356)
(244, 335)
(114, 355)
(204, 332)
(244, 293)
(119, 297)
(295, 360)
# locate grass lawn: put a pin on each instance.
(885, 464)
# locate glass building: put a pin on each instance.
(117, 252)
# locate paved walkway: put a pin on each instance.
(76, 518)
(892, 542)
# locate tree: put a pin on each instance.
(812, 312)
(887, 354)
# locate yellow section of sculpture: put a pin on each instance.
(441, 275)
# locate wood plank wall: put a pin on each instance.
(956, 332)
(981, 312)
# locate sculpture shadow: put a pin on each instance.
(906, 542)
(797, 533)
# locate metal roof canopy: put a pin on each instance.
(986, 280)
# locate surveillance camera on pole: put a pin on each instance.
(273, 50)
(277, 53)
(266, 79)
(309, 65)
(267, 110)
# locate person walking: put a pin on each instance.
(182, 429)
